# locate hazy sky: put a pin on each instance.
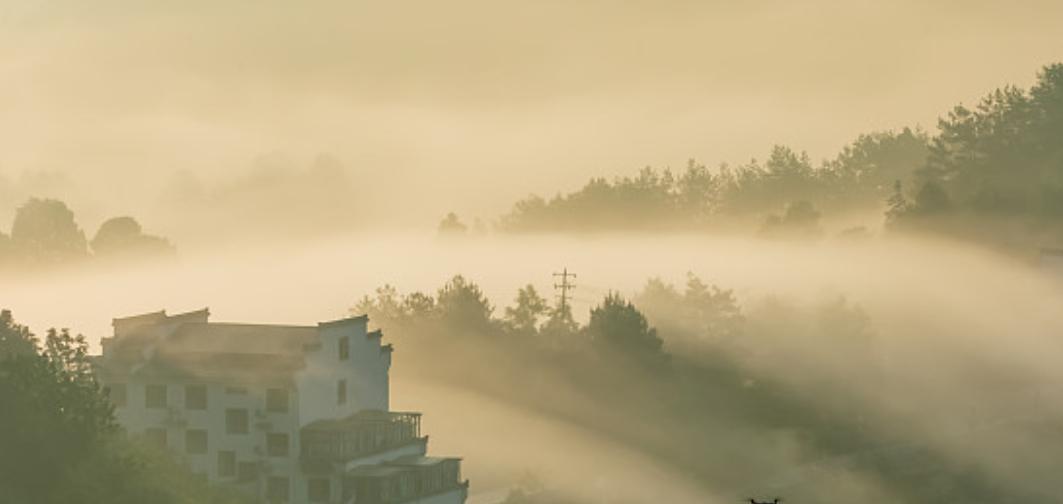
(474, 103)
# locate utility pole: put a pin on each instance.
(564, 287)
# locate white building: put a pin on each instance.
(288, 413)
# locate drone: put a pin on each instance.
(774, 501)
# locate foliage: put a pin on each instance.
(123, 236)
(692, 381)
(59, 442)
(702, 315)
(452, 225)
(617, 326)
(993, 173)
(801, 220)
(701, 198)
(528, 312)
(45, 233)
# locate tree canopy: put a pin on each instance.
(59, 441)
(45, 233)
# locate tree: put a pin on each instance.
(931, 200)
(59, 441)
(44, 231)
(862, 175)
(560, 324)
(701, 314)
(452, 225)
(54, 416)
(530, 308)
(462, 305)
(617, 326)
(123, 236)
(897, 205)
(801, 220)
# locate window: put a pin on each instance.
(317, 489)
(277, 489)
(277, 444)
(156, 436)
(341, 392)
(226, 464)
(277, 400)
(236, 421)
(236, 390)
(196, 397)
(196, 441)
(345, 348)
(116, 392)
(155, 396)
(246, 471)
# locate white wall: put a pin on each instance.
(365, 371)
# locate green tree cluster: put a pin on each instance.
(994, 171)
(59, 442)
(699, 198)
(684, 375)
(45, 233)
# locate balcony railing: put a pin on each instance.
(361, 434)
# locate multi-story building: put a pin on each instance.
(287, 413)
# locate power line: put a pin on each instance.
(564, 287)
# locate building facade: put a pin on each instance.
(295, 414)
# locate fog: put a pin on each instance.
(425, 104)
(894, 332)
(959, 331)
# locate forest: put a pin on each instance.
(990, 174)
(689, 375)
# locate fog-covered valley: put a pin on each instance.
(922, 347)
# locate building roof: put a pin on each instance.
(345, 320)
(187, 346)
(221, 367)
(240, 338)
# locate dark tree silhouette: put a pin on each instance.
(528, 312)
(616, 325)
(452, 225)
(44, 231)
(59, 442)
(123, 236)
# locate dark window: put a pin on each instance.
(277, 400)
(116, 392)
(156, 436)
(155, 396)
(226, 464)
(246, 471)
(196, 397)
(277, 444)
(277, 489)
(341, 392)
(318, 490)
(196, 441)
(345, 348)
(236, 421)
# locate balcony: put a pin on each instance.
(362, 434)
(404, 480)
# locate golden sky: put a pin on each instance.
(469, 104)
